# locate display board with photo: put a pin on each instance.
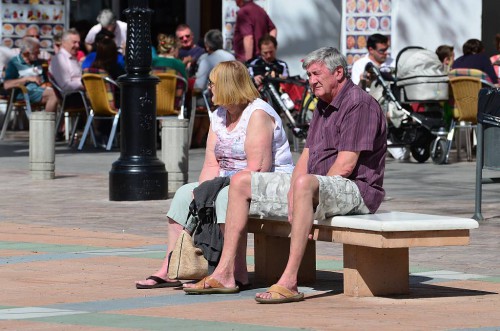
(362, 18)
(48, 16)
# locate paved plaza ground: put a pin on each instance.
(69, 257)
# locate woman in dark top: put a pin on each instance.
(106, 59)
(474, 58)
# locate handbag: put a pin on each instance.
(186, 261)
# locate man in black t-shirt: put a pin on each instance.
(267, 63)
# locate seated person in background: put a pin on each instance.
(90, 58)
(106, 60)
(26, 69)
(495, 59)
(57, 43)
(167, 56)
(339, 172)
(6, 54)
(267, 63)
(246, 134)
(189, 52)
(446, 55)
(214, 55)
(107, 20)
(33, 32)
(378, 46)
(475, 58)
(64, 66)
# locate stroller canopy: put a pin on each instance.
(420, 76)
(414, 62)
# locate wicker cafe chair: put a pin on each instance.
(465, 92)
(170, 94)
(99, 90)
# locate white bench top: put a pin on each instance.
(398, 222)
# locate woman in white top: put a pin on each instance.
(245, 133)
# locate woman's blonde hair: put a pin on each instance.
(233, 85)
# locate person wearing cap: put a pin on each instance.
(107, 20)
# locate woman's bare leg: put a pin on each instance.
(174, 230)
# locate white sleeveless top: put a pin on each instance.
(230, 145)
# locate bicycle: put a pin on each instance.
(295, 108)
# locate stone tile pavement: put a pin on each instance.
(69, 257)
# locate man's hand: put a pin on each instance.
(33, 79)
(258, 80)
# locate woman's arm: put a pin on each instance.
(210, 168)
(259, 141)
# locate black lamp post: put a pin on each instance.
(138, 174)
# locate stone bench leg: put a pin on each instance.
(271, 256)
(372, 271)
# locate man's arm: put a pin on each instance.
(248, 46)
(89, 47)
(274, 33)
(10, 83)
(344, 164)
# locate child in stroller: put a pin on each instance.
(419, 78)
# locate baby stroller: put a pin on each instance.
(418, 80)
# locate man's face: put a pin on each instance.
(379, 54)
(185, 37)
(268, 52)
(324, 84)
(33, 33)
(33, 55)
(72, 44)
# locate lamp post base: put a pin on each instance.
(134, 181)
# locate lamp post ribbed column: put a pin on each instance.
(138, 174)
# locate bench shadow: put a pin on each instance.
(331, 282)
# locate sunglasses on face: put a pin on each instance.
(210, 83)
(185, 37)
(382, 50)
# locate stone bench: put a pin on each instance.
(375, 247)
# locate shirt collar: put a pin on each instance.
(67, 54)
(326, 108)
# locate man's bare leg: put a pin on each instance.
(235, 233)
(174, 230)
(49, 99)
(305, 198)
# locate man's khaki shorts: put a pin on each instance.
(337, 196)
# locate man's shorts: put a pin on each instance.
(35, 93)
(337, 196)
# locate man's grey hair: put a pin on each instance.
(69, 32)
(213, 39)
(329, 56)
(106, 17)
(28, 44)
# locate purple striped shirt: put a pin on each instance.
(354, 122)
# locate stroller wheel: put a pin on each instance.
(420, 153)
(439, 148)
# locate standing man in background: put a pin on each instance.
(107, 20)
(252, 22)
